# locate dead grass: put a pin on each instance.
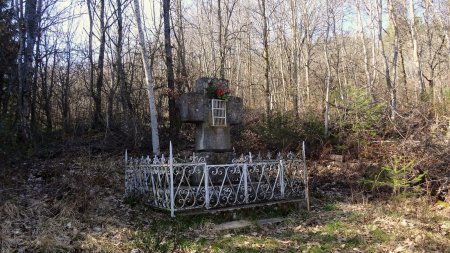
(72, 204)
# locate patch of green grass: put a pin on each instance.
(333, 226)
(355, 217)
(167, 235)
(316, 249)
(380, 235)
(245, 243)
(331, 207)
(355, 241)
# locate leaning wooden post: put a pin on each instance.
(305, 176)
(172, 200)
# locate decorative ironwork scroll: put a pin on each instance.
(181, 186)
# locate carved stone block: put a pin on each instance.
(209, 138)
(193, 107)
(234, 110)
(202, 83)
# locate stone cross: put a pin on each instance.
(196, 107)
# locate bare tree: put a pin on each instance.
(265, 38)
(97, 95)
(120, 73)
(148, 79)
(328, 71)
(90, 48)
(295, 54)
(366, 55)
(27, 14)
(415, 52)
(390, 80)
(173, 116)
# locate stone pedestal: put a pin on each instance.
(195, 107)
(213, 158)
(216, 157)
(215, 139)
(212, 141)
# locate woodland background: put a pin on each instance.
(365, 83)
(69, 67)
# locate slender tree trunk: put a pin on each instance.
(366, 56)
(390, 83)
(181, 50)
(28, 24)
(307, 54)
(90, 50)
(98, 118)
(34, 87)
(262, 6)
(148, 80)
(221, 42)
(295, 58)
(49, 95)
(328, 76)
(120, 73)
(173, 115)
(65, 105)
(403, 70)
(415, 52)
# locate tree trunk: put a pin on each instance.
(262, 5)
(366, 56)
(389, 82)
(34, 87)
(328, 75)
(403, 70)
(90, 50)
(27, 40)
(173, 115)
(98, 118)
(125, 99)
(415, 52)
(65, 95)
(148, 80)
(295, 58)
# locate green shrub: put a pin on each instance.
(359, 119)
(286, 131)
(399, 175)
(279, 130)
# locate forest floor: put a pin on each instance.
(75, 202)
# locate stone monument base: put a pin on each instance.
(214, 158)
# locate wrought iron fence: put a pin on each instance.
(177, 185)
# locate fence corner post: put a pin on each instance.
(245, 175)
(305, 176)
(206, 178)
(172, 200)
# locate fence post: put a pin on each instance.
(172, 200)
(206, 177)
(305, 176)
(245, 175)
